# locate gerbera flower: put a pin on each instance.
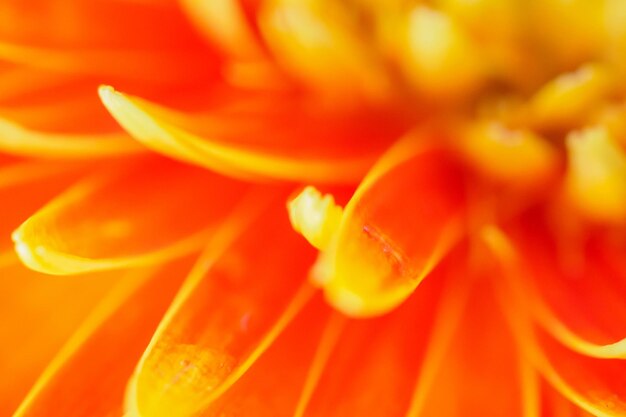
(458, 169)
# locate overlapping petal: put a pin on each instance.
(232, 307)
(404, 217)
(273, 139)
(570, 286)
(131, 215)
(37, 315)
(384, 366)
(97, 360)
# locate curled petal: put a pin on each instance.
(24, 188)
(123, 219)
(18, 140)
(376, 363)
(401, 221)
(235, 145)
(562, 279)
(594, 384)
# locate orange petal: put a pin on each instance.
(564, 277)
(96, 362)
(144, 214)
(226, 23)
(401, 221)
(19, 140)
(25, 187)
(37, 315)
(272, 385)
(174, 66)
(374, 368)
(98, 24)
(276, 140)
(482, 374)
(593, 384)
(230, 310)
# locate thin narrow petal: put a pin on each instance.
(401, 221)
(273, 384)
(230, 310)
(226, 22)
(96, 362)
(37, 315)
(571, 289)
(593, 384)
(27, 186)
(482, 374)
(376, 363)
(139, 215)
(18, 140)
(261, 145)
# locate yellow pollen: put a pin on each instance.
(596, 177)
(316, 217)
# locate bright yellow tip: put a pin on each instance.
(316, 217)
(596, 178)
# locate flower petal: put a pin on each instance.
(562, 277)
(37, 315)
(482, 374)
(144, 214)
(229, 311)
(401, 221)
(594, 384)
(98, 359)
(376, 362)
(277, 140)
(120, 64)
(25, 187)
(19, 140)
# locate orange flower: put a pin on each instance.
(466, 253)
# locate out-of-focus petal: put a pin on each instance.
(322, 44)
(374, 368)
(272, 385)
(96, 362)
(571, 288)
(18, 140)
(226, 23)
(26, 186)
(232, 307)
(112, 24)
(173, 66)
(482, 373)
(273, 141)
(37, 315)
(593, 384)
(143, 214)
(401, 221)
